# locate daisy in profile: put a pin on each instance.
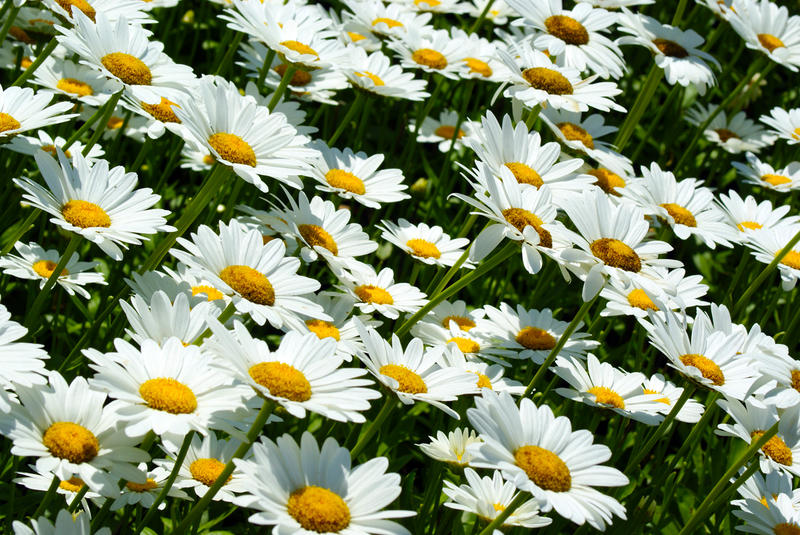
(720, 8)
(75, 81)
(747, 215)
(69, 488)
(303, 374)
(735, 134)
(770, 516)
(575, 37)
(432, 51)
(23, 362)
(161, 318)
(676, 52)
(426, 244)
(760, 486)
(762, 174)
(541, 454)
(305, 488)
(456, 312)
(375, 74)
(262, 281)
(786, 124)
(356, 176)
(498, 14)
(386, 20)
(132, 10)
(673, 290)
(489, 376)
(22, 109)
(450, 448)
(35, 263)
(174, 283)
(785, 372)
(145, 494)
(43, 141)
(471, 344)
(767, 243)
(414, 373)
(377, 292)
(768, 28)
(95, 201)
(480, 61)
(488, 496)
(157, 110)
(66, 524)
(443, 130)
(668, 395)
(342, 327)
(243, 135)
(442, 7)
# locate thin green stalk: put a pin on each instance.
(344, 124)
(262, 74)
(288, 74)
(503, 516)
(51, 491)
(533, 114)
(481, 17)
(649, 87)
(100, 517)
(24, 227)
(244, 447)
(84, 128)
(225, 62)
(109, 111)
(226, 314)
(33, 312)
(656, 121)
(676, 18)
(374, 425)
(76, 501)
(43, 55)
(737, 275)
(12, 16)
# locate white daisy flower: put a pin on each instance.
(747, 215)
(196, 157)
(467, 343)
(668, 396)
(442, 130)
(541, 454)
(374, 73)
(442, 7)
(22, 362)
(768, 28)
(451, 447)
(767, 243)
(498, 13)
(762, 174)
(377, 292)
(786, 124)
(145, 494)
(160, 318)
(426, 244)
(386, 20)
(66, 524)
(760, 486)
(616, 4)
(735, 134)
(432, 51)
(342, 327)
(68, 488)
(22, 109)
(173, 283)
(769, 516)
(132, 10)
(456, 312)
(785, 372)
(157, 110)
(95, 201)
(674, 290)
(77, 82)
(488, 375)
(43, 141)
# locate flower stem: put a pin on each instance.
(33, 312)
(649, 87)
(676, 18)
(374, 425)
(481, 17)
(504, 514)
(12, 15)
(76, 501)
(345, 122)
(87, 125)
(222, 318)
(109, 111)
(24, 227)
(262, 74)
(225, 62)
(51, 490)
(43, 55)
(288, 74)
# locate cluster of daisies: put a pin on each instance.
(242, 342)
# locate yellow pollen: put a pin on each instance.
(318, 509)
(606, 396)
(498, 507)
(464, 323)
(339, 178)
(208, 159)
(75, 87)
(168, 395)
(478, 67)
(769, 41)
(775, 448)
(430, 58)
(373, 294)
(51, 149)
(130, 69)
(71, 442)
(465, 344)
(45, 268)
(21, 35)
(429, 3)
(150, 484)
(448, 132)
(26, 62)
(520, 218)
(775, 180)
(670, 48)
(211, 293)
(786, 528)
(639, 299)
(207, 470)
(681, 215)
(82, 5)
(162, 111)
(725, 134)
(616, 253)
(73, 484)
(375, 78)
(575, 132)
(299, 47)
(249, 283)
(315, 235)
(796, 133)
(85, 214)
(483, 381)
(7, 123)
(356, 37)
(664, 400)
(525, 174)
(232, 148)
(707, 367)
(299, 78)
(114, 123)
(544, 468)
(535, 338)
(391, 23)
(796, 380)
(548, 80)
(792, 259)
(567, 29)
(409, 382)
(752, 225)
(423, 248)
(323, 329)
(282, 380)
(607, 180)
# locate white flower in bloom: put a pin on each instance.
(784, 123)
(764, 175)
(768, 28)
(66, 524)
(451, 447)
(21, 110)
(424, 243)
(377, 292)
(22, 362)
(734, 134)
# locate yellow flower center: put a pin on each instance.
(51, 149)
(299, 78)
(339, 178)
(7, 123)
(409, 382)
(299, 47)
(375, 78)
(211, 293)
(73, 484)
(466, 345)
(208, 159)
(249, 283)
(520, 218)
(535, 338)
(75, 87)
(85, 214)
(606, 396)
(168, 395)
(616, 253)
(114, 123)
(775, 448)
(775, 180)
(429, 3)
(429, 58)
(150, 484)
(548, 80)
(639, 299)
(567, 29)
(606, 180)
(356, 37)
(664, 400)
(483, 381)
(232, 148)
(670, 48)
(45, 268)
(282, 380)
(82, 5)
(575, 132)
(373, 294)
(448, 132)
(391, 23)
(792, 259)
(769, 41)
(464, 323)
(71, 442)
(318, 509)
(525, 174)
(478, 67)
(796, 380)
(725, 134)
(423, 248)
(707, 367)
(681, 215)
(130, 69)
(786, 528)
(544, 468)
(162, 111)
(323, 329)
(207, 470)
(796, 133)
(315, 235)
(21, 35)
(752, 225)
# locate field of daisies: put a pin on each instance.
(429, 267)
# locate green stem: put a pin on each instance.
(33, 313)
(86, 126)
(676, 18)
(101, 515)
(533, 114)
(51, 491)
(374, 425)
(345, 122)
(504, 514)
(288, 74)
(76, 501)
(262, 74)
(223, 317)
(225, 62)
(649, 87)
(109, 111)
(9, 22)
(43, 55)
(481, 17)
(737, 275)
(24, 227)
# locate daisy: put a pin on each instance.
(432, 51)
(243, 135)
(145, 494)
(22, 109)
(451, 447)
(66, 524)
(157, 110)
(357, 176)
(676, 52)
(132, 10)
(386, 20)
(575, 37)
(673, 290)
(442, 7)
(768, 28)
(22, 362)
(375, 74)
(174, 283)
(303, 374)
(377, 292)
(769, 517)
(162, 318)
(498, 12)
(43, 141)
(302, 488)
(262, 281)
(465, 343)
(342, 327)
(785, 372)
(76, 81)
(487, 375)
(487, 497)
(668, 396)
(68, 488)
(616, 4)
(762, 174)
(443, 130)
(426, 244)
(786, 124)
(480, 61)
(169, 389)
(456, 312)
(759, 486)
(541, 454)
(747, 214)
(767, 243)
(196, 157)
(413, 373)
(735, 134)
(95, 201)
